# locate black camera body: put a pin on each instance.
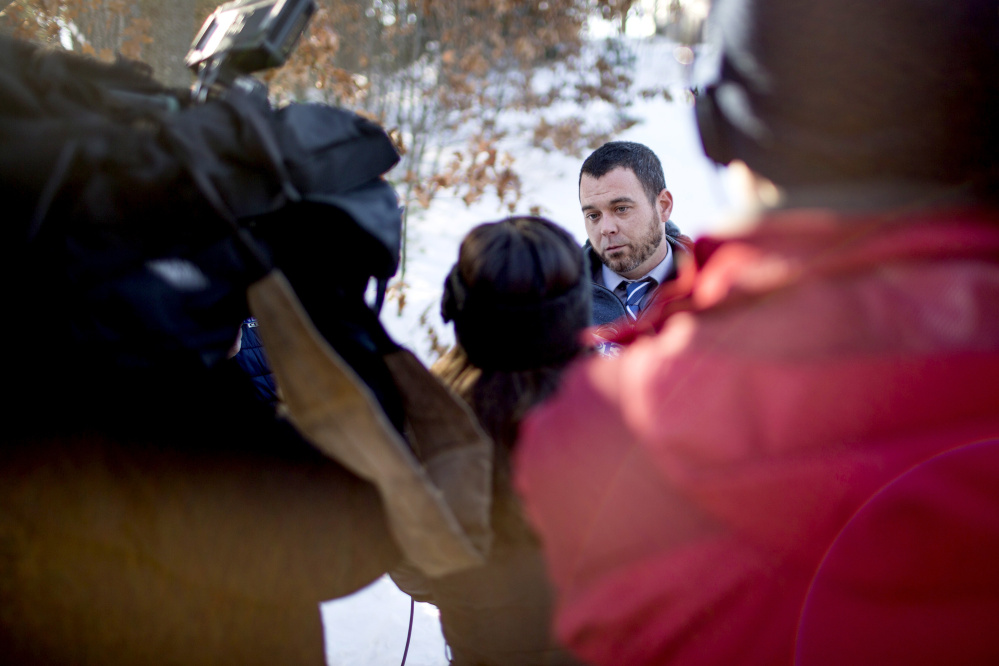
(245, 36)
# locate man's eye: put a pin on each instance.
(622, 209)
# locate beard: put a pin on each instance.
(638, 251)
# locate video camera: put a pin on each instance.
(242, 37)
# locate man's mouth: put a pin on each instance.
(614, 248)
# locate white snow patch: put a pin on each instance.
(369, 628)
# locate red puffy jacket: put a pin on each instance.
(799, 465)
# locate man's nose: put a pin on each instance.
(608, 227)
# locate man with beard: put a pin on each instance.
(633, 247)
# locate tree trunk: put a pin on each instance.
(625, 9)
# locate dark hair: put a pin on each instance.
(834, 91)
(519, 286)
(640, 159)
(524, 274)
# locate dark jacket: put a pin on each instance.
(253, 361)
(606, 306)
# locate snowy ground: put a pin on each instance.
(369, 628)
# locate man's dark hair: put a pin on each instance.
(639, 158)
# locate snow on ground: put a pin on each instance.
(369, 628)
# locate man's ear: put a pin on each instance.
(664, 202)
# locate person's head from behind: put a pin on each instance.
(846, 92)
(625, 205)
(519, 300)
(517, 295)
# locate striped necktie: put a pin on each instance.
(634, 293)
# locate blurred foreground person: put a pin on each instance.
(164, 514)
(519, 301)
(798, 463)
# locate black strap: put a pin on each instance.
(409, 634)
